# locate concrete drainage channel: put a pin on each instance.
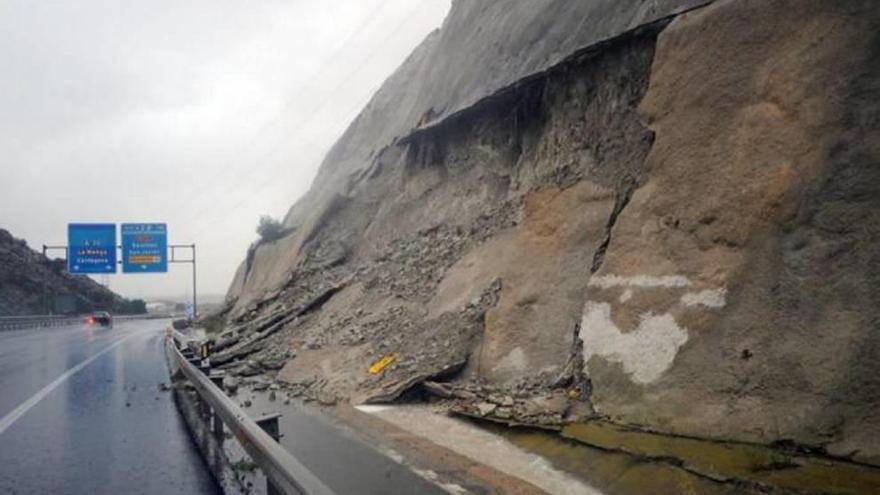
(209, 414)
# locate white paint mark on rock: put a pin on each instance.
(711, 298)
(626, 296)
(669, 281)
(645, 353)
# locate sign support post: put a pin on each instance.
(192, 259)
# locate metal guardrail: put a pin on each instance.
(47, 321)
(141, 317)
(284, 472)
(178, 337)
(36, 321)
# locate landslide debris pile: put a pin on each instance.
(664, 214)
(32, 284)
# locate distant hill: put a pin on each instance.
(31, 283)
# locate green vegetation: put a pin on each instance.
(132, 307)
(244, 465)
(270, 229)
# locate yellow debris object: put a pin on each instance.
(383, 363)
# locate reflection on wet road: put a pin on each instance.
(81, 412)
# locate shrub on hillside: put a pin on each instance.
(269, 229)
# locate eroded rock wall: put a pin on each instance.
(672, 226)
(476, 237)
(483, 48)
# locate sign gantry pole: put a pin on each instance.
(191, 259)
(195, 300)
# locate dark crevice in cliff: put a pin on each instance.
(624, 194)
(505, 95)
(249, 260)
(573, 378)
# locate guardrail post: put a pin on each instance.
(204, 408)
(259, 440)
(269, 424)
(217, 378)
(197, 363)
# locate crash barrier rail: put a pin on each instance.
(141, 317)
(178, 337)
(36, 321)
(284, 473)
(46, 321)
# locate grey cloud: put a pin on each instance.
(123, 111)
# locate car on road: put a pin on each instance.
(102, 318)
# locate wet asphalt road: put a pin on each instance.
(81, 413)
(344, 462)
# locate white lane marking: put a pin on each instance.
(25, 406)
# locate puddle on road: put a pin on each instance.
(634, 463)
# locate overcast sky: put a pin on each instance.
(203, 114)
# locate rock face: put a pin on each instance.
(32, 284)
(736, 296)
(665, 216)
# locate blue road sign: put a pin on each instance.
(92, 247)
(144, 248)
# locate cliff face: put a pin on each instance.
(31, 284)
(482, 49)
(762, 196)
(665, 216)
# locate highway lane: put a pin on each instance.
(81, 412)
(345, 462)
